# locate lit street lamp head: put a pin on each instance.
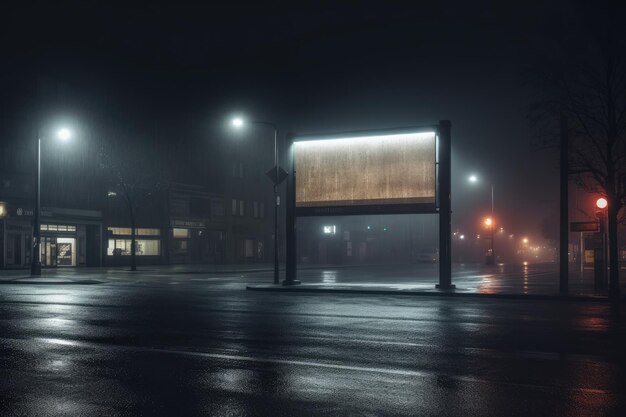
(472, 178)
(64, 134)
(601, 203)
(237, 122)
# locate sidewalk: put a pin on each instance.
(421, 290)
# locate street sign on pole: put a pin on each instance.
(282, 174)
(584, 227)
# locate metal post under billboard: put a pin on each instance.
(290, 216)
(445, 205)
(389, 171)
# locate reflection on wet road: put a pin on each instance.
(137, 345)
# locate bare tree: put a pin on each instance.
(583, 78)
(128, 180)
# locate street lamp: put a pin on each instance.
(473, 178)
(276, 175)
(602, 204)
(64, 135)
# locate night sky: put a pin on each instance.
(308, 67)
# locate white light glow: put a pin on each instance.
(472, 178)
(237, 122)
(64, 134)
(375, 138)
(330, 230)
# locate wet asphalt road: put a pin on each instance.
(199, 344)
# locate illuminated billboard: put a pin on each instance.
(366, 173)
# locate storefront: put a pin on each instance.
(147, 245)
(192, 242)
(69, 237)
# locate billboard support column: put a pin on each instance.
(290, 218)
(445, 206)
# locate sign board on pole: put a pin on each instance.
(367, 173)
(584, 226)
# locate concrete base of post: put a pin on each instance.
(445, 287)
(291, 282)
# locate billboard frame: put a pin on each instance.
(441, 205)
(365, 209)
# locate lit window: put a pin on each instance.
(147, 232)
(119, 230)
(139, 231)
(144, 247)
(180, 233)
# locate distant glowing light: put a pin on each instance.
(237, 122)
(525, 240)
(64, 134)
(601, 203)
(462, 237)
(330, 230)
(369, 227)
(488, 221)
(472, 178)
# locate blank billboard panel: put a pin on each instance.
(377, 170)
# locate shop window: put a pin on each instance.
(147, 232)
(57, 228)
(144, 247)
(119, 230)
(139, 231)
(180, 233)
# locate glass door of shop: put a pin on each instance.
(58, 251)
(66, 251)
(48, 251)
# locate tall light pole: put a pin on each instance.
(63, 135)
(488, 222)
(277, 175)
(602, 204)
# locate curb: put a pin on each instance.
(28, 281)
(434, 293)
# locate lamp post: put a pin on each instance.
(275, 176)
(63, 135)
(602, 204)
(490, 222)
